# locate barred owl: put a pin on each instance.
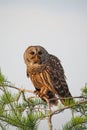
(47, 75)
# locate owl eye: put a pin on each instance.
(32, 53)
(40, 52)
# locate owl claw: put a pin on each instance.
(40, 94)
(36, 92)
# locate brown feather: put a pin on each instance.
(46, 74)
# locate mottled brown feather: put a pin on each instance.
(46, 74)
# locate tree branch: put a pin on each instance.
(67, 107)
(19, 89)
(50, 123)
(50, 113)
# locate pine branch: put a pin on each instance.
(75, 123)
(22, 91)
(12, 108)
(68, 107)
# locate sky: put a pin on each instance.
(60, 26)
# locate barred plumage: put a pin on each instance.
(47, 74)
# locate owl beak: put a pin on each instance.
(37, 59)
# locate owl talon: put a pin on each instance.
(36, 92)
(40, 95)
(43, 95)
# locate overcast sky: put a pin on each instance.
(58, 25)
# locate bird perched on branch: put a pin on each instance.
(47, 75)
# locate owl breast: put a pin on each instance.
(42, 80)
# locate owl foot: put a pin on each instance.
(43, 92)
(36, 92)
(40, 94)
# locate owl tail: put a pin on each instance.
(52, 98)
(51, 101)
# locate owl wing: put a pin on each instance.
(58, 78)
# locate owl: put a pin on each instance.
(47, 75)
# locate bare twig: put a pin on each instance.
(83, 96)
(19, 89)
(50, 123)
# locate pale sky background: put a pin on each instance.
(58, 25)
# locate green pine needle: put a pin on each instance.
(2, 78)
(76, 123)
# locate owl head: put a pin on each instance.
(35, 55)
